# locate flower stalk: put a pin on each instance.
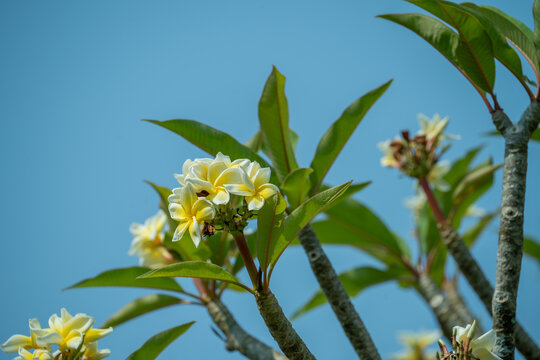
(242, 246)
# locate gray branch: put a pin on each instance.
(510, 246)
(236, 338)
(458, 304)
(481, 285)
(337, 296)
(281, 328)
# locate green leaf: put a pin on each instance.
(427, 231)
(351, 190)
(531, 248)
(254, 144)
(472, 233)
(442, 38)
(141, 306)
(192, 269)
(515, 31)
(128, 277)
(348, 214)
(502, 51)
(354, 281)
(212, 140)
(335, 138)
(302, 215)
(274, 121)
(296, 186)
(163, 194)
(460, 167)
(186, 248)
(269, 230)
(157, 343)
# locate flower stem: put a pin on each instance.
(243, 248)
(437, 212)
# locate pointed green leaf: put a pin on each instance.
(302, 215)
(531, 247)
(157, 343)
(351, 190)
(212, 140)
(296, 186)
(192, 269)
(335, 138)
(128, 277)
(472, 233)
(443, 39)
(516, 32)
(269, 230)
(186, 248)
(274, 121)
(141, 306)
(460, 166)
(354, 281)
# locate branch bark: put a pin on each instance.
(281, 328)
(510, 246)
(338, 298)
(236, 338)
(458, 304)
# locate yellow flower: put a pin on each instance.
(432, 128)
(38, 354)
(481, 346)
(202, 169)
(211, 180)
(254, 185)
(26, 342)
(388, 159)
(69, 332)
(147, 243)
(436, 175)
(416, 345)
(190, 211)
(93, 353)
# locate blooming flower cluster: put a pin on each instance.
(74, 336)
(466, 346)
(419, 156)
(208, 191)
(148, 244)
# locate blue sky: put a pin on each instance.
(77, 77)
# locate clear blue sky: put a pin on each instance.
(76, 78)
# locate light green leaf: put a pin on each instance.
(254, 144)
(472, 233)
(351, 190)
(212, 140)
(531, 247)
(128, 277)
(515, 31)
(335, 138)
(141, 306)
(442, 38)
(296, 186)
(192, 269)
(186, 248)
(274, 122)
(269, 230)
(354, 281)
(302, 215)
(157, 343)
(460, 166)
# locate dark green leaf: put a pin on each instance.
(472, 233)
(212, 140)
(531, 248)
(157, 343)
(254, 144)
(303, 214)
(354, 281)
(460, 167)
(335, 138)
(269, 230)
(274, 122)
(141, 306)
(128, 277)
(296, 186)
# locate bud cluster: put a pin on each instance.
(465, 346)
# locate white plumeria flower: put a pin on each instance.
(436, 175)
(69, 332)
(190, 211)
(481, 346)
(475, 211)
(416, 203)
(213, 178)
(38, 354)
(388, 160)
(255, 186)
(203, 163)
(432, 128)
(93, 353)
(27, 342)
(148, 239)
(416, 343)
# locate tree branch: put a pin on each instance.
(281, 328)
(458, 304)
(510, 246)
(337, 296)
(237, 339)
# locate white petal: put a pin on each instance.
(484, 354)
(261, 177)
(485, 341)
(180, 230)
(52, 338)
(255, 202)
(15, 342)
(195, 232)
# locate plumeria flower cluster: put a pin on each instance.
(416, 345)
(148, 243)
(468, 347)
(218, 194)
(73, 338)
(418, 156)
